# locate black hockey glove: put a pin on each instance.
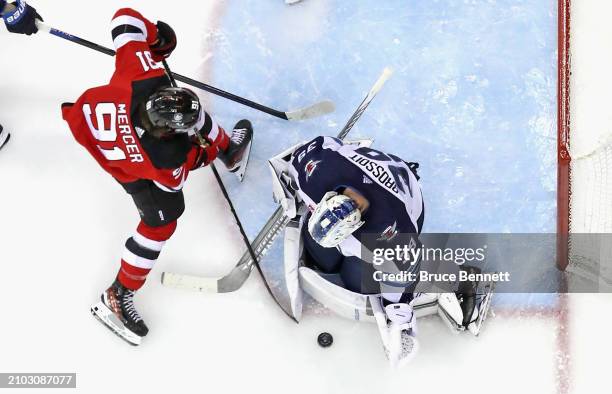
(166, 40)
(22, 19)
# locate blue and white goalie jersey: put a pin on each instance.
(396, 202)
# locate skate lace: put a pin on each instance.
(128, 305)
(238, 135)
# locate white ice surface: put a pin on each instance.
(64, 221)
(590, 343)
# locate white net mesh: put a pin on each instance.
(590, 242)
(591, 192)
(590, 226)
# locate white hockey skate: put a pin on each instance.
(397, 327)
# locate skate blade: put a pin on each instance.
(112, 322)
(241, 169)
(483, 310)
(3, 143)
(448, 320)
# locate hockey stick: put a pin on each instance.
(317, 109)
(249, 251)
(239, 274)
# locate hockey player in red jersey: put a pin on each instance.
(148, 136)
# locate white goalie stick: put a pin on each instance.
(273, 227)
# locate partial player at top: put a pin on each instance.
(19, 18)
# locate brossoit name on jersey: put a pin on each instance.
(376, 170)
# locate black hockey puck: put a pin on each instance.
(325, 339)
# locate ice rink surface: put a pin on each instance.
(472, 100)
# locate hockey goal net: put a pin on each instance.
(584, 203)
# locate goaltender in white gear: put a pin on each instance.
(350, 189)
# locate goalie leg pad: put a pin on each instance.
(399, 340)
(292, 251)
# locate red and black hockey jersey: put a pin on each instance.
(105, 119)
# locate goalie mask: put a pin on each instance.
(334, 219)
(175, 109)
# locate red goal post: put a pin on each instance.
(563, 135)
